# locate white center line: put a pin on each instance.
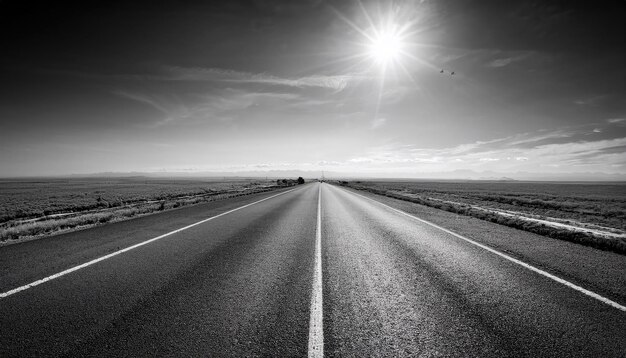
(76, 268)
(507, 257)
(316, 325)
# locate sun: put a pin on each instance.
(386, 47)
(387, 38)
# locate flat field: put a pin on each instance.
(31, 207)
(560, 209)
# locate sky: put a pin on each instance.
(356, 88)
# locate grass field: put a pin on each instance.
(589, 213)
(35, 207)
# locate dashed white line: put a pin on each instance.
(507, 257)
(316, 324)
(76, 268)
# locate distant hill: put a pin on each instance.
(497, 179)
(461, 174)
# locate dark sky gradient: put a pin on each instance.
(95, 86)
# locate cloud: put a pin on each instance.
(224, 103)
(501, 62)
(508, 58)
(335, 83)
(153, 101)
(170, 106)
(360, 160)
(566, 147)
(323, 163)
(500, 58)
(220, 105)
(591, 100)
(569, 149)
(529, 140)
(224, 94)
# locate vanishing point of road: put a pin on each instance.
(317, 270)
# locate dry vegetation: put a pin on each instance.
(30, 208)
(589, 214)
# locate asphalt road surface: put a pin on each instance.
(316, 270)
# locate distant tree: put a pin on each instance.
(300, 180)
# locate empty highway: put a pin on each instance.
(315, 270)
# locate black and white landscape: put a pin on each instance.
(432, 178)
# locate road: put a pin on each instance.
(316, 270)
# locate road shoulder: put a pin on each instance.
(596, 270)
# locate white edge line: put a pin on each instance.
(505, 256)
(76, 268)
(316, 324)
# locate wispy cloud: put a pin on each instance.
(488, 57)
(508, 59)
(335, 83)
(529, 140)
(157, 102)
(220, 105)
(171, 106)
(591, 100)
(229, 93)
(500, 62)
(580, 148)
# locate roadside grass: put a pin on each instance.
(601, 204)
(32, 198)
(587, 238)
(49, 226)
(44, 216)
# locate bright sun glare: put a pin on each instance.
(386, 47)
(387, 38)
(387, 44)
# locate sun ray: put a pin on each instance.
(367, 16)
(421, 61)
(350, 23)
(380, 94)
(386, 47)
(387, 51)
(407, 73)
